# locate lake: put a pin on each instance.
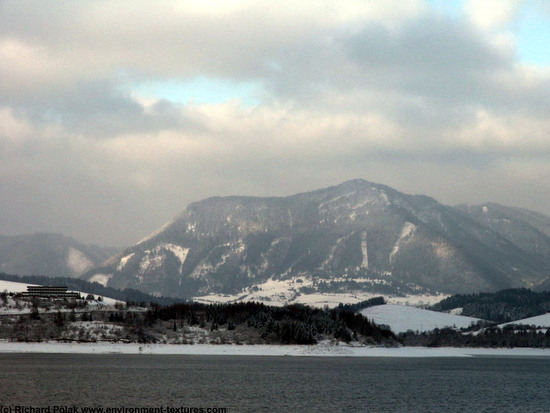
(70, 383)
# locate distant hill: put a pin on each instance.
(528, 230)
(52, 255)
(348, 239)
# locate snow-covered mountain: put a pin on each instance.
(355, 238)
(52, 255)
(528, 230)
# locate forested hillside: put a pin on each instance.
(501, 307)
(39, 319)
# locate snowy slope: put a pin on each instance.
(401, 318)
(15, 287)
(542, 320)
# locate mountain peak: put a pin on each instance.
(355, 238)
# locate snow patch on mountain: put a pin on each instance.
(407, 230)
(326, 204)
(77, 261)
(155, 233)
(443, 250)
(201, 269)
(151, 262)
(101, 278)
(154, 258)
(179, 252)
(330, 258)
(124, 261)
(365, 261)
(207, 265)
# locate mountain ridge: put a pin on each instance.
(354, 238)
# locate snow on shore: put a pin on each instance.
(319, 350)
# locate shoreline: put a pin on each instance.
(318, 350)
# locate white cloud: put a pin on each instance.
(386, 91)
(11, 128)
(489, 14)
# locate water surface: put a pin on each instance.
(277, 384)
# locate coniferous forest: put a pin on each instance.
(39, 319)
(501, 306)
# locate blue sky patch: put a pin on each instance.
(201, 90)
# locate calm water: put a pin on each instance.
(277, 384)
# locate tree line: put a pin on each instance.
(501, 307)
(508, 336)
(290, 324)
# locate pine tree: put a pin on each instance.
(35, 315)
(59, 319)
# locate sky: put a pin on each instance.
(115, 115)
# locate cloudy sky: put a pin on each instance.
(114, 115)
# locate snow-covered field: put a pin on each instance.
(281, 292)
(319, 350)
(13, 287)
(401, 318)
(542, 320)
(319, 300)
